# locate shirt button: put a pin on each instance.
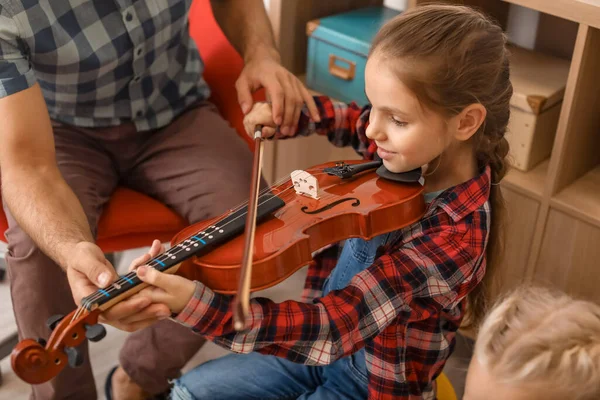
(128, 17)
(136, 79)
(139, 113)
(139, 51)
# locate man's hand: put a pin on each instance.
(283, 88)
(247, 27)
(137, 312)
(88, 270)
(166, 294)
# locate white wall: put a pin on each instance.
(397, 4)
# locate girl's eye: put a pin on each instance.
(397, 122)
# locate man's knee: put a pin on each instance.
(20, 244)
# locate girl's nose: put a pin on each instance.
(374, 132)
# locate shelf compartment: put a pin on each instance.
(530, 183)
(582, 11)
(581, 199)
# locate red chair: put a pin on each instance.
(132, 219)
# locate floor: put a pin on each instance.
(104, 353)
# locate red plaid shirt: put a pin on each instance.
(404, 309)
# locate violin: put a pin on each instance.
(291, 220)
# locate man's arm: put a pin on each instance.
(39, 198)
(47, 209)
(247, 26)
(35, 192)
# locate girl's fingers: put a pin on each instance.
(155, 295)
(268, 132)
(155, 249)
(154, 311)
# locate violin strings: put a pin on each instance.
(112, 288)
(99, 295)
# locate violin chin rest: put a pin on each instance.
(404, 177)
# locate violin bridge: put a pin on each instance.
(305, 184)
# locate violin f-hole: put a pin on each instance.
(331, 205)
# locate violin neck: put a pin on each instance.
(196, 245)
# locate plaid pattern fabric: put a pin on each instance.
(102, 62)
(404, 309)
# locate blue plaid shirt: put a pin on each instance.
(102, 62)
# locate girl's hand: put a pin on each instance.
(261, 114)
(171, 290)
(137, 312)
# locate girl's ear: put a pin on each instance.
(469, 120)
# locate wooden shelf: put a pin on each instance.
(582, 198)
(530, 183)
(581, 11)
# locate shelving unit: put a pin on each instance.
(581, 199)
(553, 224)
(530, 183)
(581, 11)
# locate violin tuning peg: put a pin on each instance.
(95, 332)
(75, 356)
(42, 341)
(53, 321)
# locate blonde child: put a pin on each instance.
(385, 312)
(537, 344)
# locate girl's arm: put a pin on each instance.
(343, 124)
(406, 285)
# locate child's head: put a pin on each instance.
(438, 81)
(438, 75)
(537, 344)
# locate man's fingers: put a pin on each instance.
(244, 93)
(297, 110)
(292, 101)
(310, 103)
(80, 285)
(277, 96)
(100, 273)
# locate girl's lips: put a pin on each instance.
(384, 154)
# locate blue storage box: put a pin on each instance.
(338, 46)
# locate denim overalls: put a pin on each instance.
(258, 376)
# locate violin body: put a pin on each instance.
(364, 206)
(316, 207)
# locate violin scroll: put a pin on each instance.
(37, 361)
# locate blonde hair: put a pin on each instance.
(539, 338)
(453, 56)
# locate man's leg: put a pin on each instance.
(200, 167)
(39, 287)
